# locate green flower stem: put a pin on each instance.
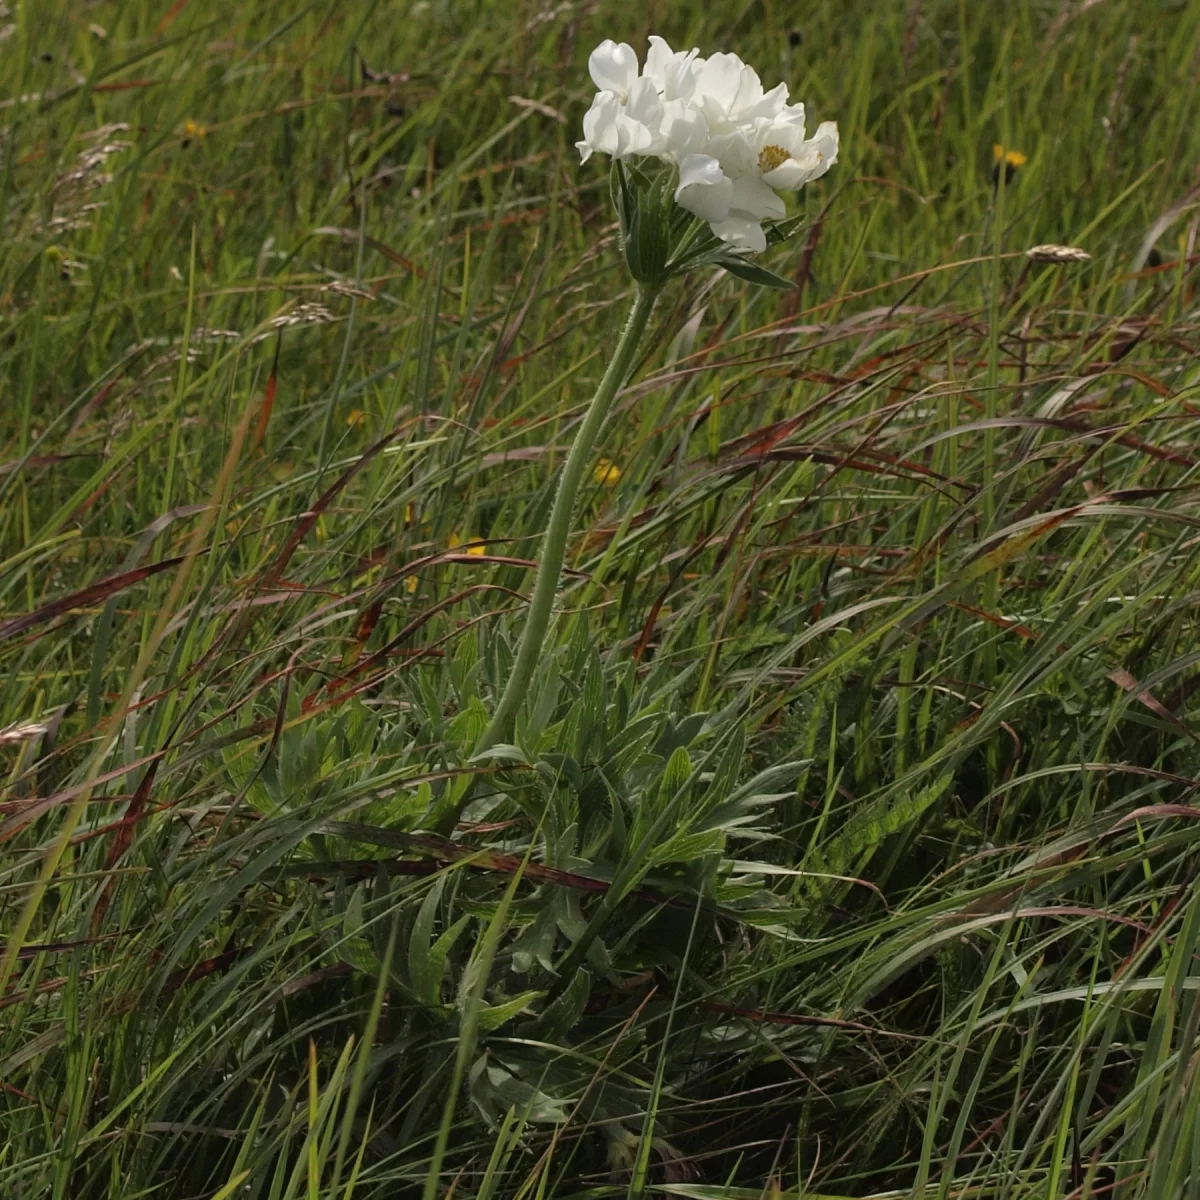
(554, 545)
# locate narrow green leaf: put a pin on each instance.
(753, 273)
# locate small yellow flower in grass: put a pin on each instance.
(606, 472)
(474, 548)
(410, 584)
(193, 129)
(355, 416)
(1011, 161)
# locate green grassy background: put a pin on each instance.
(851, 849)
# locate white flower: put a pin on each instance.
(650, 114)
(761, 157)
(626, 116)
(777, 152)
(736, 145)
(622, 130)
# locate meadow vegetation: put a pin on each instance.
(847, 846)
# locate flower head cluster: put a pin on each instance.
(735, 145)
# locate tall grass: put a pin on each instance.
(848, 846)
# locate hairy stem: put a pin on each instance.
(554, 544)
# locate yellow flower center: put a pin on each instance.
(770, 157)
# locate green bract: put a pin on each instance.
(661, 239)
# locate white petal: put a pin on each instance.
(772, 104)
(634, 138)
(741, 233)
(735, 151)
(786, 129)
(754, 198)
(681, 78)
(826, 139)
(810, 161)
(613, 67)
(793, 114)
(674, 71)
(684, 131)
(749, 94)
(790, 176)
(658, 60)
(704, 189)
(719, 82)
(600, 130)
(644, 105)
